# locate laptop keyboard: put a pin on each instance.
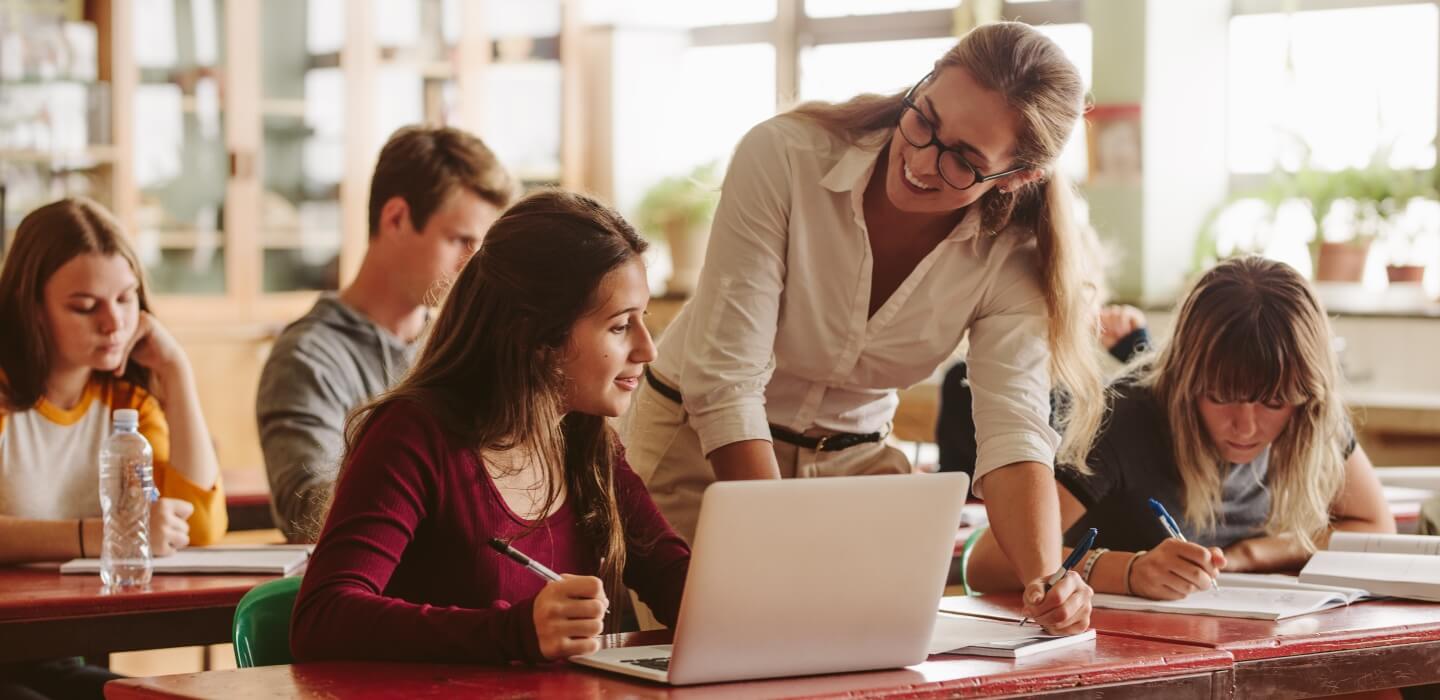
(661, 663)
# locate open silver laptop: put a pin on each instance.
(804, 576)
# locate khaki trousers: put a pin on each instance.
(665, 452)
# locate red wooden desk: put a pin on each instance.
(1118, 666)
(1366, 646)
(44, 614)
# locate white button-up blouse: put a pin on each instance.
(777, 331)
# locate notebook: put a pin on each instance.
(1404, 566)
(1289, 582)
(963, 634)
(277, 559)
(1232, 601)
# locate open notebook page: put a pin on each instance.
(1288, 582)
(1231, 601)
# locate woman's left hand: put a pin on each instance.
(1064, 609)
(152, 347)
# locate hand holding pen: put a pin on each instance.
(1176, 567)
(569, 612)
(1067, 592)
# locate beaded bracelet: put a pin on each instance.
(1129, 565)
(1090, 560)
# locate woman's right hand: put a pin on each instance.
(1175, 569)
(569, 616)
(169, 526)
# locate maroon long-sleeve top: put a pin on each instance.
(402, 570)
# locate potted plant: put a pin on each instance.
(680, 208)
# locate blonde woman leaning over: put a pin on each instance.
(854, 247)
(1237, 428)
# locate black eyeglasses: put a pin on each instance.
(950, 162)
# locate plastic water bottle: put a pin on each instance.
(127, 488)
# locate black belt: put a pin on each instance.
(820, 443)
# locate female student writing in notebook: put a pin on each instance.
(78, 342)
(499, 431)
(1237, 428)
(855, 245)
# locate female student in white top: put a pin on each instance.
(854, 247)
(80, 342)
(1237, 427)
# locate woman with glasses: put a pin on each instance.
(855, 246)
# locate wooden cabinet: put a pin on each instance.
(245, 131)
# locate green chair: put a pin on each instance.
(261, 631)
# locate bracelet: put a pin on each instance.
(1090, 560)
(1130, 565)
(80, 535)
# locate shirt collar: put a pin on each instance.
(852, 172)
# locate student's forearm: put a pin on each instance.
(1025, 517)
(192, 454)
(25, 540)
(747, 459)
(1286, 553)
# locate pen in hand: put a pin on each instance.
(1076, 555)
(1173, 529)
(539, 569)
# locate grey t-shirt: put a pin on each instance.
(1133, 460)
(324, 365)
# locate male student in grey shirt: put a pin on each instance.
(434, 193)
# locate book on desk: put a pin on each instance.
(279, 560)
(1403, 566)
(967, 635)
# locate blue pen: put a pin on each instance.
(1076, 556)
(1173, 528)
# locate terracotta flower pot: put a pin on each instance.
(687, 255)
(1341, 262)
(1405, 273)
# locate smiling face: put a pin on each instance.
(610, 346)
(966, 116)
(92, 306)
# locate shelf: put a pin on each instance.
(73, 159)
(292, 239)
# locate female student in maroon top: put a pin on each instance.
(500, 431)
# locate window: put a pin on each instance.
(1280, 105)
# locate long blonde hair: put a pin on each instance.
(1253, 330)
(1045, 90)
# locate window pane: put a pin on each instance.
(837, 72)
(526, 140)
(670, 13)
(840, 8)
(1075, 40)
(1363, 81)
(180, 164)
(303, 127)
(699, 119)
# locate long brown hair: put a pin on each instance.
(490, 369)
(46, 239)
(1045, 90)
(1253, 330)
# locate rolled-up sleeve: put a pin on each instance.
(730, 345)
(1009, 371)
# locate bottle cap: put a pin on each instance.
(127, 418)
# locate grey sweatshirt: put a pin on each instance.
(324, 365)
